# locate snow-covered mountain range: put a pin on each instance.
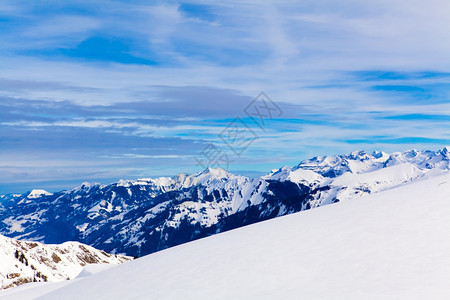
(22, 262)
(389, 245)
(138, 217)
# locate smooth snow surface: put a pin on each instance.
(391, 245)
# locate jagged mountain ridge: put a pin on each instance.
(138, 217)
(389, 245)
(22, 261)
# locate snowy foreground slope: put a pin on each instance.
(22, 262)
(391, 245)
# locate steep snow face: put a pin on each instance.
(137, 217)
(390, 245)
(22, 262)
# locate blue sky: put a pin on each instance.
(104, 90)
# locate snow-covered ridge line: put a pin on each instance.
(329, 166)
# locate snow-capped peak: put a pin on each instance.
(204, 177)
(85, 186)
(38, 193)
(379, 154)
(359, 162)
(446, 151)
(296, 175)
(214, 172)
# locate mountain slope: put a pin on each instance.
(22, 262)
(390, 245)
(138, 217)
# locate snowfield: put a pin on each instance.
(391, 245)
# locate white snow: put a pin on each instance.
(82, 227)
(391, 245)
(15, 225)
(205, 177)
(38, 193)
(84, 186)
(297, 175)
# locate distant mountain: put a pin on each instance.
(390, 245)
(138, 217)
(22, 262)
